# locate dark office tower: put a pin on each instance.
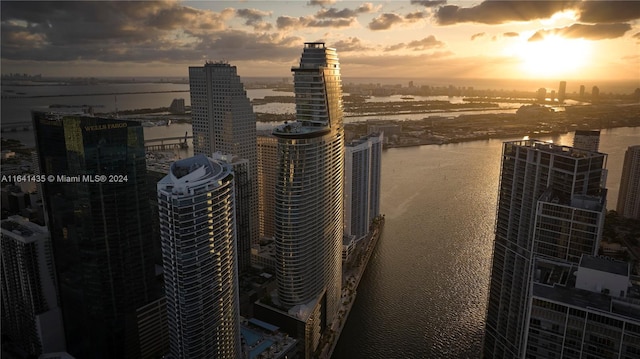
(99, 217)
(309, 189)
(582, 90)
(629, 196)
(267, 172)
(197, 225)
(224, 122)
(535, 177)
(587, 140)
(562, 91)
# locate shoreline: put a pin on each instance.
(350, 282)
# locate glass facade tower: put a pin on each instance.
(98, 213)
(309, 187)
(198, 232)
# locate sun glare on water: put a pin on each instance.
(554, 56)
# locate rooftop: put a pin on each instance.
(605, 265)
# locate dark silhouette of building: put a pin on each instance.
(98, 213)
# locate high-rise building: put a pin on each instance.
(595, 94)
(97, 211)
(309, 190)
(582, 91)
(542, 94)
(562, 89)
(31, 317)
(587, 140)
(197, 228)
(223, 121)
(534, 177)
(267, 172)
(629, 195)
(582, 310)
(362, 160)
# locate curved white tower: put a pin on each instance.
(197, 225)
(309, 186)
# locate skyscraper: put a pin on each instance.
(629, 195)
(309, 188)
(98, 213)
(562, 89)
(587, 140)
(533, 173)
(362, 184)
(267, 172)
(31, 317)
(223, 121)
(197, 226)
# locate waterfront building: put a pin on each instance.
(198, 233)
(267, 173)
(223, 121)
(562, 89)
(31, 317)
(533, 175)
(587, 140)
(567, 228)
(97, 211)
(582, 90)
(629, 195)
(583, 310)
(177, 106)
(309, 194)
(362, 160)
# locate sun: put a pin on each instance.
(554, 56)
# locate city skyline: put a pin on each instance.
(457, 39)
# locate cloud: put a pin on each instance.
(288, 22)
(321, 2)
(254, 18)
(424, 44)
(136, 32)
(387, 20)
(510, 34)
(590, 32)
(499, 12)
(428, 42)
(609, 11)
(636, 36)
(429, 3)
(480, 34)
(333, 13)
(350, 44)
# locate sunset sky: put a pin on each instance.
(397, 38)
